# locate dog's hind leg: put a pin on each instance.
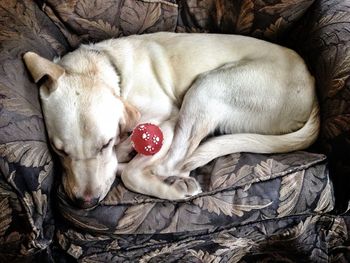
(262, 109)
(248, 102)
(197, 120)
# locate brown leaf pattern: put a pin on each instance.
(83, 21)
(264, 19)
(323, 40)
(5, 216)
(245, 18)
(91, 9)
(27, 153)
(146, 14)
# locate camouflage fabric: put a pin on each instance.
(254, 208)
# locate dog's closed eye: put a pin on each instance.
(105, 146)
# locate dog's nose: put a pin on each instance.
(85, 202)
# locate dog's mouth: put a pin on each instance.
(85, 198)
(86, 202)
(80, 202)
(68, 200)
(83, 204)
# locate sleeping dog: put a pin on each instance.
(259, 97)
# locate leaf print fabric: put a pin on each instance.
(6, 216)
(26, 165)
(85, 21)
(262, 19)
(254, 208)
(288, 239)
(291, 184)
(323, 38)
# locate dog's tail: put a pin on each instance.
(256, 143)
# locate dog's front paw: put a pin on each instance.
(185, 187)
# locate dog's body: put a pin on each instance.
(258, 95)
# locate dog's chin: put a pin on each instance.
(78, 202)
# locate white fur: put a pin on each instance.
(259, 95)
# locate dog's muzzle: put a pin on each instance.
(85, 202)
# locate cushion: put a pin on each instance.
(323, 38)
(84, 21)
(238, 189)
(26, 165)
(243, 189)
(262, 19)
(299, 238)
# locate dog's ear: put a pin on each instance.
(40, 67)
(131, 117)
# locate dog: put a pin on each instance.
(255, 96)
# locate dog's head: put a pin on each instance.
(84, 118)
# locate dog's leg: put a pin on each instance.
(139, 177)
(241, 100)
(189, 133)
(258, 143)
(200, 115)
(197, 119)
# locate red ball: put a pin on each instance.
(147, 139)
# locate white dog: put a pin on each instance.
(259, 96)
